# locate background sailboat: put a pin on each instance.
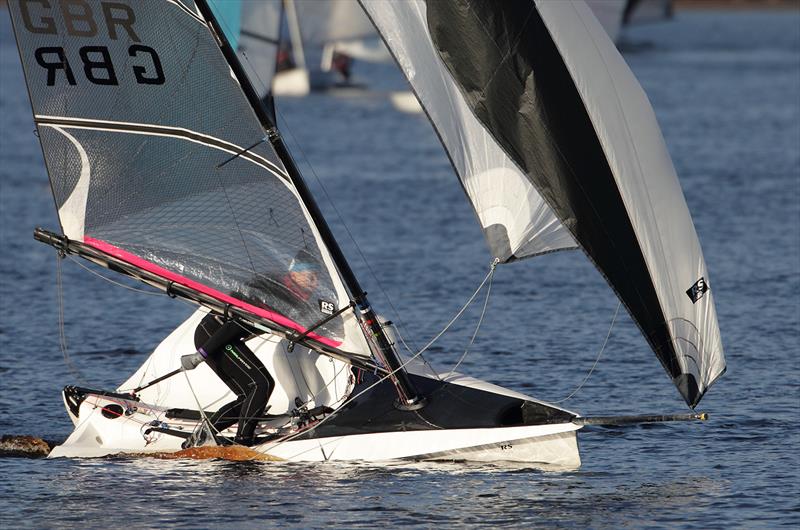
(295, 46)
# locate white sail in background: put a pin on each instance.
(332, 21)
(646, 11)
(320, 30)
(259, 41)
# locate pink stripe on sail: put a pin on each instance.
(177, 278)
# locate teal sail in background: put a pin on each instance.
(229, 14)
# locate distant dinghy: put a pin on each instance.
(166, 167)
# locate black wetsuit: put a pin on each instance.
(222, 343)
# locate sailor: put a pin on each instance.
(222, 344)
(303, 277)
(291, 294)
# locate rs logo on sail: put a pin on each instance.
(80, 21)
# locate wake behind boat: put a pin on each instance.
(166, 167)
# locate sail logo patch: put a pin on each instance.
(696, 291)
(326, 307)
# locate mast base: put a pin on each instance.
(416, 403)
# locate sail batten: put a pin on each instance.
(160, 130)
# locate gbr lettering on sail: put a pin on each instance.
(112, 19)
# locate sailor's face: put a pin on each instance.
(306, 280)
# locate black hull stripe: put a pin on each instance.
(176, 132)
(550, 135)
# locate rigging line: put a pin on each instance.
(205, 423)
(480, 320)
(602, 349)
(285, 351)
(113, 282)
(461, 311)
(333, 380)
(349, 400)
(62, 334)
(401, 367)
(128, 287)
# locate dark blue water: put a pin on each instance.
(726, 88)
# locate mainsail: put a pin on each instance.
(555, 141)
(157, 158)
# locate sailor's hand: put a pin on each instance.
(192, 360)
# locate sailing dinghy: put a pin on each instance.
(309, 35)
(166, 167)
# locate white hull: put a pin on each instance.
(555, 445)
(111, 424)
(546, 445)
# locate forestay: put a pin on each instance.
(156, 157)
(549, 131)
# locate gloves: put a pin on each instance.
(192, 360)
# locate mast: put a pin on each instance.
(409, 398)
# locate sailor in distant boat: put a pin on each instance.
(222, 344)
